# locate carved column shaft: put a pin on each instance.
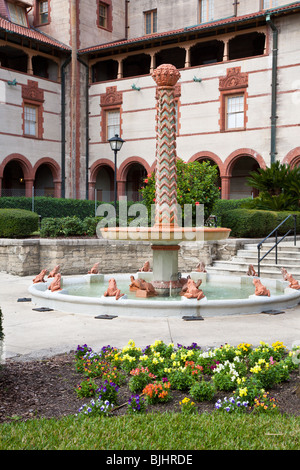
(166, 77)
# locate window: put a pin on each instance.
(206, 11)
(269, 4)
(30, 120)
(235, 112)
(233, 100)
(112, 123)
(150, 22)
(43, 12)
(103, 15)
(17, 14)
(33, 99)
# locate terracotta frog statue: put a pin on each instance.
(113, 290)
(260, 289)
(192, 291)
(40, 277)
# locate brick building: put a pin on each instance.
(75, 72)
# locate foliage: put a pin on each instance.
(279, 187)
(203, 390)
(187, 406)
(86, 388)
(16, 223)
(136, 404)
(196, 184)
(246, 223)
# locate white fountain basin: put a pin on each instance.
(282, 297)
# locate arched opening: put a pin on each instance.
(45, 68)
(13, 58)
(207, 53)
(134, 181)
(138, 64)
(105, 70)
(246, 45)
(104, 186)
(13, 183)
(43, 183)
(239, 174)
(212, 163)
(174, 56)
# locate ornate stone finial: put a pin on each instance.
(166, 75)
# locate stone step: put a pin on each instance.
(288, 247)
(254, 253)
(281, 261)
(264, 273)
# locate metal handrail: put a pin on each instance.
(277, 241)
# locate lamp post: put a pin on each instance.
(116, 144)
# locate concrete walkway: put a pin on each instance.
(34, 335)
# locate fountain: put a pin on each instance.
(157, 292)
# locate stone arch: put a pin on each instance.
(237, 165)
(55, 172)
(26, 168)
(106, 165)
(130, 187)
(207, 155)
(293, 157)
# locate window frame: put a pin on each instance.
(209, 5)
(37, 16)
(227, 97)
(152, 15)
(112, 126)
(107, 4)
(263, 7)
(18, 9)
(30, 122)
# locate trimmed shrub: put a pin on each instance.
(69, 226)
(49, 207)
(223, 206)
(16, 223)
(246, 223)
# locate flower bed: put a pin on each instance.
(151, 374)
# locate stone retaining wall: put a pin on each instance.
(76, 256)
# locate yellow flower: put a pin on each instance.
(243, 391)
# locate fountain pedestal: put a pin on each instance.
(165, 269)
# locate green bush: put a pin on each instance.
(247, 223)
(202, 391)
(223, 206)
(69, 226)
(49, 207)
(16, 223)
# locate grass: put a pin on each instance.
(154, 431)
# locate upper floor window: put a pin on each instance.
(104, 14)
(269, 4)
(43, 13)
(206, 11)
(150, 22)
(235, 112)
(31, 120)
(17, 14)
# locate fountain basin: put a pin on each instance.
(282, 297)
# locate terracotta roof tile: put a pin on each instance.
(31, 33)
(199, 27)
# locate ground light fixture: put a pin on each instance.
(116, 144)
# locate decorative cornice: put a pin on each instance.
(234, 79)
(32, 92)
(112, 97)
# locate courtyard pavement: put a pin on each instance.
(30, 334)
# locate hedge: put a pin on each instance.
(68, 226)
(247, 223)
(16, 223)
(223, 206)
(53, 207)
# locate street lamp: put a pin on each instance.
(116, 144)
